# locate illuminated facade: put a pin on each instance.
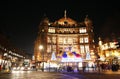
(108, 52)
(10, 55)
(64, 33)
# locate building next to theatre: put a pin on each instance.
(66, 41)
(109, 51)
(10, 55)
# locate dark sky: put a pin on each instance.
(20, 18)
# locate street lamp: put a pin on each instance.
(41, 48)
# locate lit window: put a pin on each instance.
(87, 48)
(82, 30)
(54, 47)
(60, 40)
(65, 41)
(112, 45)
(54, 40)
(75, 41)
(82, 49)
(51, 30)
(86, 39)
(49, 24)
(48, 40)
(70, 41)
(5, 54)
(49, 48)
(81, 40)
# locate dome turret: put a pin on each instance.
(66, 20)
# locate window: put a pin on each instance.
(74, 40)
(86, 39)
(82, 30)
(48, 40)
(87, 48)
(82, 49)
(49, 48)
(54, 40)
(70, 41)
(65, 40)
(51, 30)
(81, 40)
(54, 47)
(60, 40)
(65, 22)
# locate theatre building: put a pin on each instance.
(70, 41)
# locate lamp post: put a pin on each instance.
(41, 48)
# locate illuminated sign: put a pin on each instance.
(53, 56)
(71, 60)
(88, 57)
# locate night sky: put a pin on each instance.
(20, 18)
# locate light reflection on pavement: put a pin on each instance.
(35, 75)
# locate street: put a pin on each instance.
(56, 75)
(35, 75)
(96, 75)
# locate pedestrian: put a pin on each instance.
(84, 66)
